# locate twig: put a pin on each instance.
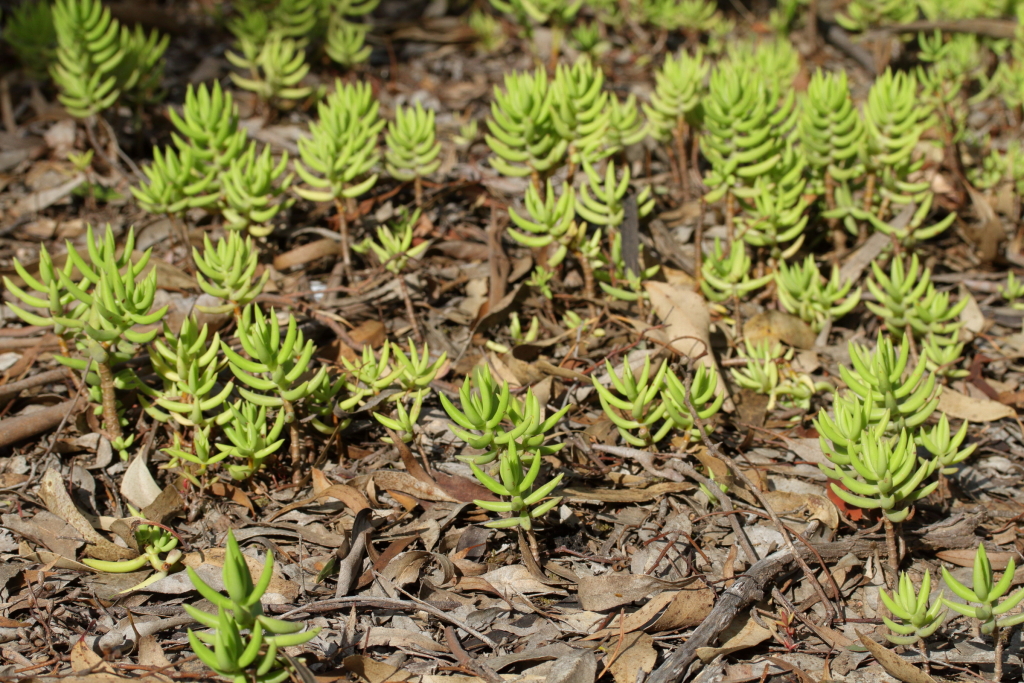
(385, 603)
(479, 668)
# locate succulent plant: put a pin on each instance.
(405, 419)
(188, 364)
(617, 280)
(252, 184)
(485, 409)
(944, 445)
(276, 71)
(370, 376)
(840, 434)
(526, 503)
(727, 276)
(240, 610)
(46, 293)
(761, 373)
(775, 210)
(250, 439)
(200, 455)
(831, 131)
(1012, 291)
(522, 131)
(625, 127)
(863, 14)
(227, 272)
(412, 147)
(634, 403)
(153, 542)
(540, 279)
(943, 353)
(88, 52)
(489, 34)
(703, 396)
(908, 299)
(987, 593)
(883, 474)
(580, 111)
(601, 200)
(140, 72)
(276, 362)
(393, 248)
(551, 224)
(676, 101)
(881, 376)
(30, 32)
(805, 293)
(588, 40)
(346, 42)
(116, 304)
(416, 371)
(520, 336)
(917, 619)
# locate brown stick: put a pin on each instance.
(9, 391)
(14, 429)
(111, 421)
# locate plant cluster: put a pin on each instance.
(157, 548)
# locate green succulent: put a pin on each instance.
(227, 272)
(522, 134)
(413, 150)
(158, 549)
(634, 403)
(322, 402)
(188, 367)
(393, 248)
(230, 656)
(276, 362)
(803, 292)
(580, 112)
(907, 300)
(276, 71)
(883, 474)
(1012, 291)
(346, 42)
(917, 619)
(861, 15)
(614, 278)
(741, 141)
(526, 503)
(116, 304)
(405, 419)
(341, 151)
(540, 279)
(588, 40)
(703, 395)
(881, 376)
(776, 62)
(89, 51)
(761, 373)
(370, 376)
(250, 439)
(775, 211)
(625, 127)
(840, 434)
(944, 445)
(46, 293)
(416, 371)
(31, 34)
(559, 12)
(600, 200)
(943, 353)
(486, 408)
(140, 73)
(991, 172)
(987, 593)
(252, 184)
(489, 34)
(199, 455)
(727, 276)
(515, 329)
(551, 224)
(831, 131)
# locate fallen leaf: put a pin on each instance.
(37, 201)
(583, 494)
(54, 494)
(742, 633)
(636, 654)
(372, 671)
(404, 482)
(779, 326)
(138, 485)
(578, 667)
(399, 638)
(151, 654)
(666, 611)
(306, 253)
(208, 564)
(85, 660)
(608, 591)
(961, 406)
(965, 558)
(895, 665)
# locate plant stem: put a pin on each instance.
(892, 550)
(417, 188)
(346, 256)
(409, 310)
(680, 140)
(997, 674)
(923, 649)
(111, 422)
(730, 209)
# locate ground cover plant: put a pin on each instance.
(537, 340)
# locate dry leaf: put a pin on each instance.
(138, 485)
(779, 326)
(682, 609)
(895, 665)
(404, 482)
(85, 660)
(57, 501)
(637, 654)
(208, 565)
(742, 633)
(578, 667)
(306, 253)
(961, 406)
(583, 494)
(151, 654)
(399, 638)
(515, 578)
(608, 591)
(965, 558)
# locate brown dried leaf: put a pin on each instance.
(779, 326)
(608, 591)
(955, 404)
(138, 485)
(583, 494)
(682, 609)
(895, 665)
(637, 654)
(965, 558)
(742, 633)
(57, 501)
(404, 482)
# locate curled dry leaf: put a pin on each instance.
(964, 557)
(963, 407)
(608, 591)
(57, 501)
(896, 666)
